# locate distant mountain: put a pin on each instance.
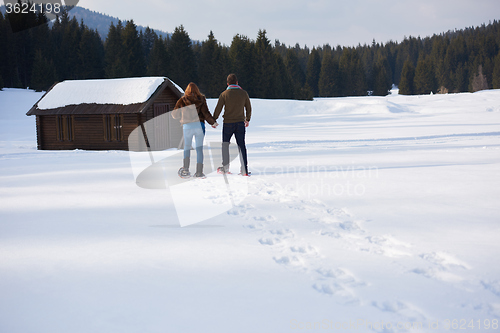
(101, 22)
(95, 20)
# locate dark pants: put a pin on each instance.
(238, 129)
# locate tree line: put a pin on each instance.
(456, 61)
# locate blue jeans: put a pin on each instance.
(239, 130)
(196, 129)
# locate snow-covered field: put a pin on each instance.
(363, 215)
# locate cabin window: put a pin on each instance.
(69, 128)
(60, 128)
(118, 127)
(64, 128)
(113, 127)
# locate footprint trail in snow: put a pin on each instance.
(300, 249)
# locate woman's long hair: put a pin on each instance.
(192, 90)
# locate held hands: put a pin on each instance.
(216, 124)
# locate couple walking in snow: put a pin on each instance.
(192, 110)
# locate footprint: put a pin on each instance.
(387, 240)
(340, 275)
(240, 210)
(387, 252)
(437, 274)
(409, 312)
(387, 246)
(288, 260)
(294, 252)
(350, 226)
(269, 241)
(284, 233)
(326, 220)
(266, 218)
(304, 249)
(444, 260)
(332, 234)
(334, 289)
(339, 212)
(443, 266)
(254, 226)
(329, 288)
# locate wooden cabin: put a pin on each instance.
(101, 114)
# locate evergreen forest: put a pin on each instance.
(455, 61)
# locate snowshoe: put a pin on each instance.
(183, 173)
(199, 176)
(223, 171)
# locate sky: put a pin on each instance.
(307, 22)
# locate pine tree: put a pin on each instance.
(41, 37)
(243, 63)
(158, 59)
(293, 67)
(4, 50)
(69, 47)
(148, 39)
(381, 81)
(295, 72)
(368, 57)
(114, 62)
(455, 64)
(9, 62)
(212, 71)
(282, 83)
(43, 76)
(313, 70)
(91, 55)
(408, 49)
(352, 74)
(460, 78)
(496, 72)
(132, 49)
(360, 83)
(182, 59)
(406, 86)
(306, 93)
(328, 84)
(265, 70)
(425, 80)
(438, 53)
(23, 46)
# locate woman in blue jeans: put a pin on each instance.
(192, 110)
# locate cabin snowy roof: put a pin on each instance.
(127, 95)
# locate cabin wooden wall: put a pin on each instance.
(88, 131)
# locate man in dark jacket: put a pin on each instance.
(235, 101)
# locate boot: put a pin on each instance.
(186, 163)
(199, 171)
(184, 171)
(225, 155)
